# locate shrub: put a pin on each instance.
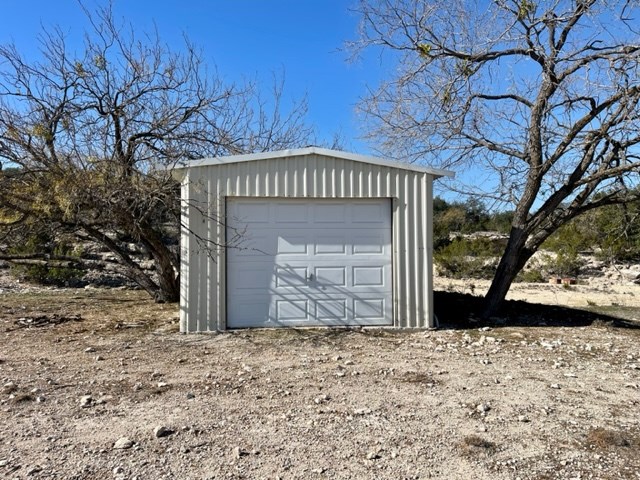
(619, 233)
(46, 272)
(532, 275)
(469, 258)
(611, 232)
(562, 264)
(566, 264)
(567, 243)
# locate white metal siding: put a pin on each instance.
(205, 189)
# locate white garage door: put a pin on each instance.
(309, 262)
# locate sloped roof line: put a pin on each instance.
(298, 152)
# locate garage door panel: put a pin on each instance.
(370, 213)
(253, 245)
(368, 276)
(333, 268)
(292, 310)
(251, 211)
(291, 244)
(370, 243)
(330, 276)
(291, 276)
(248, 311)
(334, 309)
(330, 245)
(248, 277)
(286, 213)
(329, 213)
(368, 308)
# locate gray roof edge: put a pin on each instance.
(295, 152)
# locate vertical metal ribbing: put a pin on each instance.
(250, 177)
(304, 181)
(218, 267)
(421, 249)
(315, 177)
(408, 256)
(322, 169)
(224, 174)
(198, 227)
(234, 182)
(400, 286)
(263, 179)
(416, 247)
(239, 179)
(334, 188)
(272, 181)
(206, 224)
(412, 247)
(185, 254)
(428, 225)
(354, 182)
(207, 265)
(294, 181)
(386, 183)
(282, 186)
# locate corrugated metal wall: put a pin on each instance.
(203, 296)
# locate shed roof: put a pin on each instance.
(298, 152)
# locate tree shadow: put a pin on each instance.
(462, 310)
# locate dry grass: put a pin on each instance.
(421, 378)
(472, 445)
(126, 309)
(603, 438)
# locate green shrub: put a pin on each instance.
(567, 242)
(562, 264)
(611, 232)
(46, 272)
(532, 275)
(570, 239)
(566, 264)
(619, 233)
(469, 258)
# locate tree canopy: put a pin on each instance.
(91, 137)
(538, 97)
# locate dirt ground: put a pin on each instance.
(83, 371)
(593, 292)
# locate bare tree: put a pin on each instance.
(92, 138)
(542, 95)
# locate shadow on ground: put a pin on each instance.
(462, 310)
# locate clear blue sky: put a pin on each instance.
(244, 39)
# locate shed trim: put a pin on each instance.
(298, 152)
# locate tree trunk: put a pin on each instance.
(169, 283)
(166, 264)
(513, 260)
(167, 289)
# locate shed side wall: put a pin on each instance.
(204, 190)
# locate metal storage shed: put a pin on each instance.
(305, 237)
